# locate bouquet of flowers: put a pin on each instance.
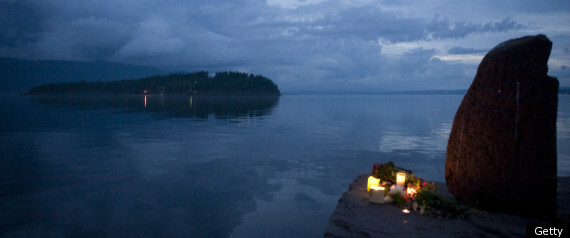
(417, 194)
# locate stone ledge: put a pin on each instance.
(354, 216)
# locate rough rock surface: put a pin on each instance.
(501, 154)
(354, 216)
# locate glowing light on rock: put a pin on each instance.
(401, 179)
(372, 181)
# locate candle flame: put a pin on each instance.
(376, 188)
(411, 191)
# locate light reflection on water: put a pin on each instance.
(174, 167)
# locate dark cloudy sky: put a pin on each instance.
(300, 44)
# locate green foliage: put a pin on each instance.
(385, 171)
(399, 199)
(413, 181)
(223, 83)
(427, 196)
(438, 205)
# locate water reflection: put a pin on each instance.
(198, 107)
(58, 184)
(104, 166)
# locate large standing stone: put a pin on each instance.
(501, 153)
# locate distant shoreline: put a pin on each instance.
(283, 94)
(138, 95)
(561, 91)
(222, 83)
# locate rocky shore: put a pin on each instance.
(354, 216)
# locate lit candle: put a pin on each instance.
(376, 194)
(372, 182)
(411, 192)
(406, 211)
(400, 178)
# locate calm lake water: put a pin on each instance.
(209, 167)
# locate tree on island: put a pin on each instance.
(222, 83)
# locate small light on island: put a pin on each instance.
(406, 211)
(372, 181)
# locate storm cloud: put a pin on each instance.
(301, 44)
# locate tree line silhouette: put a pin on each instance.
(222, 83)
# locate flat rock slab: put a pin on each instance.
(354, 216)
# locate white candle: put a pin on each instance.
(400, 179)
(376, 194)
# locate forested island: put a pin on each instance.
(222, 83)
